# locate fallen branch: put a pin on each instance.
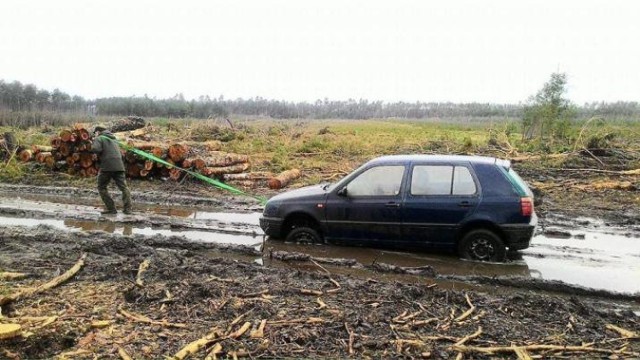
(404, 317)
(123, 354)
(520, 353)
(424, 322)
(506, 349)
(243, 329)
(335, 283)
(195, 346)
(440, 337)
(310, 292)
(311, 320)
(44, 287)
(73, 354)
(98, 324)
(259, 332)
(402, 342)
(468, 312)
(623, 332)
(351, 337)
(469, 337)
(12, 276)
(538, 157)
(144, 319)
(613, 172)
(321, 303)
(217, 349)
(143, 267)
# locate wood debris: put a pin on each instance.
(8, 331)
(22, 293)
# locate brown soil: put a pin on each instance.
(192, 289)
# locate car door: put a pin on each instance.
(367, 209)
(439, 197)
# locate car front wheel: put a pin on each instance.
(482, 245)
(304, 235)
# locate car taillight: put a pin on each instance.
(526, 206)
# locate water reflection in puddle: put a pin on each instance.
(600, 260)
(94, 205)
(130, 229)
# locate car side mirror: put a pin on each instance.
(342, 192)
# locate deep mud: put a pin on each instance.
(580, 275)
(192, 289)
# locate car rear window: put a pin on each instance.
(517, 181)
(494, 180)
(442, 180)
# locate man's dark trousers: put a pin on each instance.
(104, 178)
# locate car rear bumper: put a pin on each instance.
(518, 237)
(271, 226)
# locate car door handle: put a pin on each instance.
(393, 204)
(464, 204)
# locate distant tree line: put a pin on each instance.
(18, 97)
(15, 96)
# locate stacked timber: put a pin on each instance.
(128, 123)
(69, 151)
(195, 157)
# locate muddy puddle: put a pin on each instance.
(593, 256)
(599, 261)
(114, 227)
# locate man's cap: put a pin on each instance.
(99, 128)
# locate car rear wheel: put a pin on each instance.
(304, 235)
(482, 245)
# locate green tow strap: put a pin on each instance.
(206, 179)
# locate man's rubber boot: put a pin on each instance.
(127, 212)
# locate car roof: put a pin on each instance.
(443, 158)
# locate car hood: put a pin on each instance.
(314, 191)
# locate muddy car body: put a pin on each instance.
(478, 206)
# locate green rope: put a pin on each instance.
(206, 179)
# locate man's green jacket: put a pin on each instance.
(109, 156)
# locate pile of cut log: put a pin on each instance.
(204, 158)
(70, 151)
(128, 123)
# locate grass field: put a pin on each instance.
(327, 148)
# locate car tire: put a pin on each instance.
(482, 245)
(304, 235)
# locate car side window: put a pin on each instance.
(442, 180)
(463, 183)
(377, 181)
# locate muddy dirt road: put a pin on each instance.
(213, 274)
(580, 253)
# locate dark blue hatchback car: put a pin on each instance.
(478, 206)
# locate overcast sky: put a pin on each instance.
(499, 51)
